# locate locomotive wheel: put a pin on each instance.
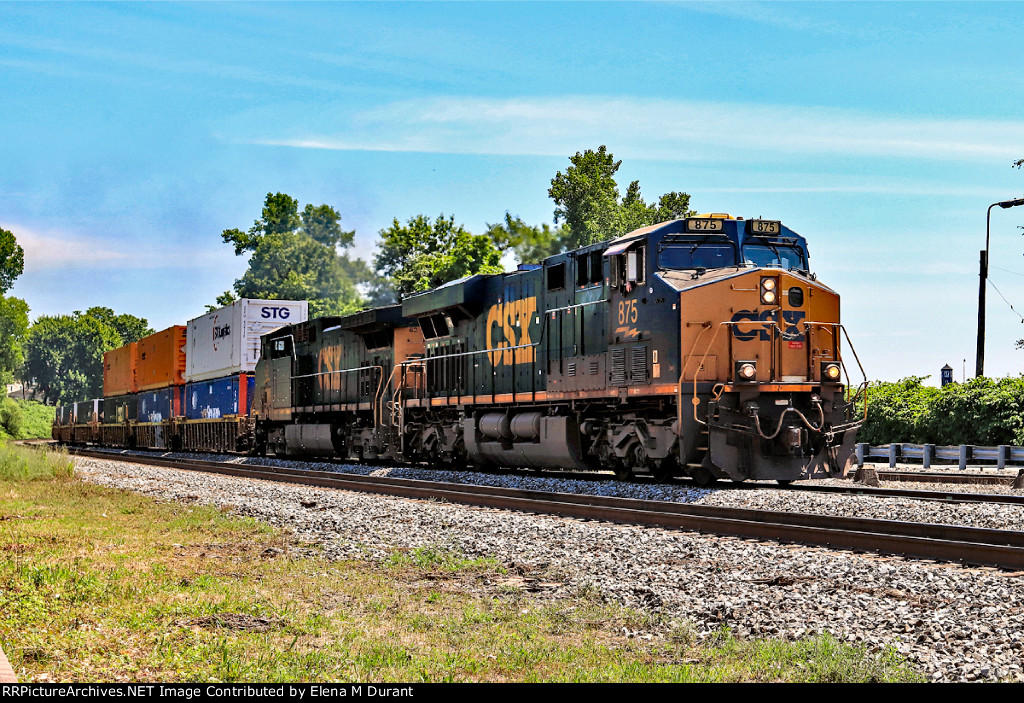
(623, 473)
(703, 477)
(665, 470)
(783, 481)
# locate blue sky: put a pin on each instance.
(133, 134)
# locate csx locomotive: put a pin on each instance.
(700, 346)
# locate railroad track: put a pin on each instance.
(851, 489)
(968, 545)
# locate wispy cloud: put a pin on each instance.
(49, 250)
(670, 130)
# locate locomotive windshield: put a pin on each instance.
(694, 255)
(771, 255)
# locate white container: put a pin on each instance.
(227, 341)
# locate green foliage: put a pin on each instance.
(12, 420)
(587, 198)
(128, 327)
(292, 266)
(36, 419)
(13, 329)
(295, 256)
(424, 254)
(64, 353)
(24, 464)
(896, 411)
(527, 242)
(12, 260)
(982, 411)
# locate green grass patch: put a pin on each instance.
(27, 464)
(98, 584)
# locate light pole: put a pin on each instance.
(979, 367)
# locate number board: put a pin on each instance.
(764, 226)
(704, 225)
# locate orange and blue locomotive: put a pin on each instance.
(700, 346)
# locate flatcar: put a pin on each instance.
(699, 347)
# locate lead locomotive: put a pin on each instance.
(702, 347)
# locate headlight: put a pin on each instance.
(830, 372)
(746, 371)
(768, 293)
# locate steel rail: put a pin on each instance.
(976, 546)
(852, 489)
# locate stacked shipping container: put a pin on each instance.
(188, 385)
(223, 348)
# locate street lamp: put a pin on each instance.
(979, 368)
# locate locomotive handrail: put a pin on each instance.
(807, 324)
(478, 351)
(377, 396)
(576, 305)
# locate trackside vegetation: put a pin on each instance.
(99, 584)
(25, 419)
(982, 411)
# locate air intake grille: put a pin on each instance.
(638, 364)
(571, 369)
(618, 375)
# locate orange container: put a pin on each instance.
(162, 359)
(119, 368)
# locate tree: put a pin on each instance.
(587, 199)
(424, 254)
(586, 196)
(295, 256)
(13, 328)
(12, 260)
(64, 355)
(128, 327)
(527, 242)
(292, 266)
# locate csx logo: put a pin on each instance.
(269, 313)
(512, 320)
(768, 321)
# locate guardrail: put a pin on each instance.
(1002, 456)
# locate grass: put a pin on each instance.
(98, 584)
(24, 464)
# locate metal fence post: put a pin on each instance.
(963, 457)
(893, 448)
(859, 449)
(926, 456)
(1004, 456)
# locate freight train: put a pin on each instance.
(699, 347)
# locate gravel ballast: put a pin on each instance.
(953, 623)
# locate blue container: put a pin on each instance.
(161, 404)
(219, 397)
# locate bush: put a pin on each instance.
(982, 411)
(12, 420)
(896, 411)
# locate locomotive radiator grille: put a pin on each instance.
(638, 364)
(618, 374)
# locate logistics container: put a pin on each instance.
(119, 370)
(226, 342)
(219, 397)
(87, 411)
(161, 359)
(160, 404)
(118, 409)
